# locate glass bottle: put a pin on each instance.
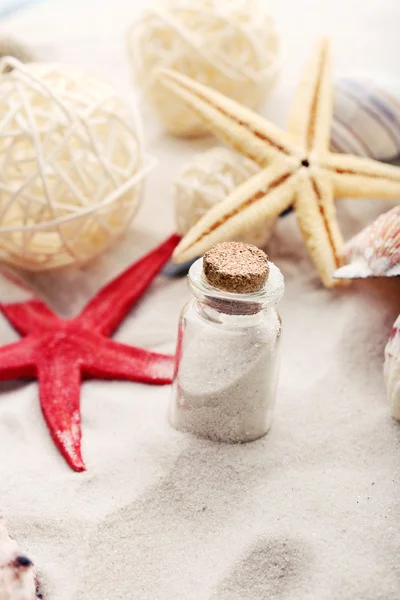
(227, 360)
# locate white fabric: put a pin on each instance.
(309, 512)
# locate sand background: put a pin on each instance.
(309, 512)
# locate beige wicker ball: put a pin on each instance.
(71, 165)
(205, 181)
(230, 45)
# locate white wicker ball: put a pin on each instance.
(71, 165)
(205, 181)
(230, 45)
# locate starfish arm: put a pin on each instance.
(263, 196)
(28, 317)
(113, 360)
(59, 386)
(106, 310)
(236, 125)
(316, 217)
(18, 359)
(362, 177)
(311, 114)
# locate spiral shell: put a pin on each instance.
(391, 369)
(366, 118)
(375, 251)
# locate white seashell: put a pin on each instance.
(366, 118)
(375, 251)
(391, 369)
(17, 574)
(206, 180)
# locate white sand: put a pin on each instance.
(226, 383)
(310, 512)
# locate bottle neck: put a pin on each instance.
(228, 315)
(215, 304)
(228, 306)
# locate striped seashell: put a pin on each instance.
(391, 369)
(366, 118)
(375, 251)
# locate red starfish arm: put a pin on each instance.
(106, 310)
(18, 359)
(59, 385)
(112, 360)
(28, 317)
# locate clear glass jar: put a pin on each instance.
(227, 360)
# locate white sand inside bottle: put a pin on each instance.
(226, 386)
(227, 361)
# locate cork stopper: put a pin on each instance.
(235, 267)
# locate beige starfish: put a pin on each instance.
(298, 168)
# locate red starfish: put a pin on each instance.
(59, 352)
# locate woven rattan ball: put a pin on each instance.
(206, 180)
(230, 45)
(71, 165)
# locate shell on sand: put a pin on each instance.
(391, 369)
(17, 574)
(375, 251)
